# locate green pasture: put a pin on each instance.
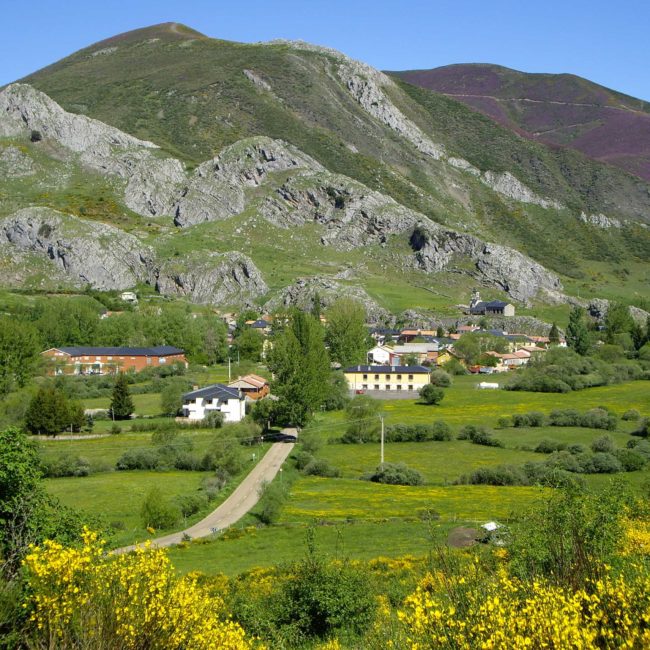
(530, 437)
(439, 462)
(117, 497)
(318, 499)
(242, 549)
(145, 403)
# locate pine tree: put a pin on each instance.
(554, 335)
(49, 412)
(121, 402)
(577, 335)
(347, 335)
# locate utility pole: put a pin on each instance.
(381, 417)
(228, 369)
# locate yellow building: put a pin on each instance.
(387, 378)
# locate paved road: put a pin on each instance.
(245, 496)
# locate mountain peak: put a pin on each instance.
(164, 31)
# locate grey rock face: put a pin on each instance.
(154, 186)
(301, 294)
(15, 164)
(216, 190)
(598, 308)
(600, 220)
(506, 184)
(89, 253)
(226, 279)
(503, 267)
(353, 214)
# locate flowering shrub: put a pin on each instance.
(82, 598)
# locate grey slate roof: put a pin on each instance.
(220, 391)
(157, 351)
(386, 369)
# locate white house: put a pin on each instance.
(380, 355)
(387, 378)
(229, 401)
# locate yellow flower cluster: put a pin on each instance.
(507, 613)
(637, 538)
(81, 595)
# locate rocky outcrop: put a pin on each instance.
(598, 308)
(600, 221)
(216, 190)
(506, 184)
(15, 164)
(521, 277)
(301, 294)
(366, 84)
(154, 186)
(88, 252)
(218, 279)
(353, 215)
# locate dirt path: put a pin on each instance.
(245, 496)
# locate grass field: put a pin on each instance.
(319, 499)
(117, 496)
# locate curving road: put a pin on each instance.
(245, 496)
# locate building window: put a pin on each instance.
(410, 387)
(364, 386)
(376, 377)
(411, 377)
(376, 386)
(399, 386)
(162, 360)
(109, 358)
(387, 377)
(387, 387)
(365, 376)
(149, 360)
(399, 376)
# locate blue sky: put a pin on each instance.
(603, 41)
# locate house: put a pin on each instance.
(84, 360)
(407, 335)
(387, 378)
(445, 356)
(478, 307)
(261, 325)
(384, 335)
(380, 355)
(422, 351)
(252, 386)
(218, 397)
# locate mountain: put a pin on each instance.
(229, 173)
(557, 109)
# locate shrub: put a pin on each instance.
(190, 504)
(603, 444)
(479, 436)
(532, 419)
(631, 460)
(440, 378)
(548, 446)
(606, 463)
(157, 512)
(66, 464)
(322, 467)
(138, 459)
(631, 415)
(438, 431)
(576, 448)
(643, 430)
(272, 497)
(214, 419)
(455, 367)
(395, 474)
(504, 422)
(431, 394)
(498, 475)
(302, 459)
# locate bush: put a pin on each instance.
(214, 419)
(138, 459)
(532, 419)
(643, 430)
(190, 504)
(431, 394)
(478, 436)
(302, 459)
(157, 512)
(498, 475)
(606, 463)
(603, 444)
(437, 431)
(504, 422)
(631, 415)
(272, 497)
(322, 467)
(66, 464)
(455, 367)
(598, 418)
(548, 446)
(440, 378)
(631, 460)
(395, 474)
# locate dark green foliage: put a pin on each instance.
(472, 345)
(440, 378)
(337, 396)
(436, 431)
(631, 460)
(571, 537)
(171, 396)
(363, 421)
(263, 413)
(121, 403)
(321, 467)
(190, 504)
(547, 446)
(497, 475)
(66, 464)
(213, 420)
(50, 412)
(249, 344)
(643, 430)
(603, 444)
(617, 321)
(554, 335)
(479, 436)
(431, 394)
(577, 335)
(272, 498)
(597, 418)
(302, 459)
(395, 474)
(300, 364)
(631, 415)
(346, 334)
(531, 419)
(19, 353)
(157, 511)
(455, 367)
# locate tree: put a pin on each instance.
(250, 344)
(577, 335)
(362, 416)
(440, 333)
(347, 336)
(316, 307)
(617, 321)
(554, 335)
(121, 402)
(300, 364)
(263, 413)
(472, 345)
(431, 394)
(49, 412)
(171, 397)
(19, 353)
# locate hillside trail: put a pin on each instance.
(243, 499)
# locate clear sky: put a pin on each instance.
(604, 41)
